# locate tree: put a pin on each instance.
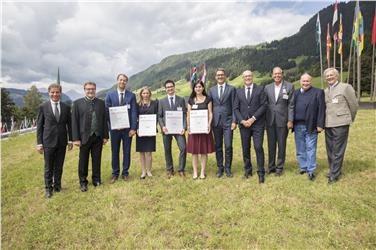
(7, 106)
(32, 100)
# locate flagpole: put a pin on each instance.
(372, 94)
(358, 88)
(341, 66)
(354, 71)
(322, 83)
(334, 53)
(351, 45)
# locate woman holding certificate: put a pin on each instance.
(147, 128)
(199, 118)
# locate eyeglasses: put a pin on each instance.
(89, 89)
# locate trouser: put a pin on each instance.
(53, 166)
(336, 142)
(180, 139)
(93, 147)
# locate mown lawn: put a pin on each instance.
(286, 212)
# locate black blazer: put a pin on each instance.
(315, 110)
(52, 133)
(256, 106)
(81, 119)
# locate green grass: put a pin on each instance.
(287, 212)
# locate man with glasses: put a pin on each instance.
(89, 132)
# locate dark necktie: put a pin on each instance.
(171, 102)
(56, 111)
(220, 92)
(248, 93)
(121, 98)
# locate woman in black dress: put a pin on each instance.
(200, 144)
(145, 145)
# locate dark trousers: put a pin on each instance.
(94, 147)
(336, 142)
(53, 166)
(277, 136)
(257, 133)
(223, 134)
(118, 136)
(167, 141)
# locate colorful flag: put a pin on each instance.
(318, 31)
(358, 35)
(340, 35)
(203, 78)
(328, 45)
(194, 76)
(335, 14)
(374, 29)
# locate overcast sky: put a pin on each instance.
(97, 40)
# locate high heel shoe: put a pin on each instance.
(202, 177)
(194, 177)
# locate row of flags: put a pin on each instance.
(194, 75)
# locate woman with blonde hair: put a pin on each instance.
(145, 145)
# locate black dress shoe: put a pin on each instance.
(332, 180)
(229, 174)
(57, 189)
(219, 174)
(97, 183)
(272, 170)
(261, 179)
(83, 188)
(311, 176)
(247, 175)
(48, 193)
(301, 172)
(278, 172)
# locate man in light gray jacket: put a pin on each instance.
(279, 119)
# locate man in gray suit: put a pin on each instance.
(341, 108)
(279, 119)
(173, 102)
(224, 121)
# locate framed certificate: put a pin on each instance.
(119, 117)
(147, 125)
(198, 121)
(174, 122)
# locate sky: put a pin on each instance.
(94, 41)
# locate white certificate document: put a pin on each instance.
(198, 121)
(147, 125)
(119, 117)
(174, 122)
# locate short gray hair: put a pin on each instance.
(331, 69)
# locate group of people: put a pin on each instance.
(277, 107)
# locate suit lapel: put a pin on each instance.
(254, 89)
(272, 92)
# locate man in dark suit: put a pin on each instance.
(279, 119)
(224, 121)
(341, 109)
(250, 106)
(53, 130)
(115, 98)
(173, 102)
(309, 119)
(90, 132)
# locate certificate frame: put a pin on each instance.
(147, 125)
(119, 118)
(198, 121)
(174, 122)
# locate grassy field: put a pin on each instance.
(287, 212)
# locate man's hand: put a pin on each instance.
(233, 126)
(77, 143)
(105, 141)
(182, 132)
(165, 131)
(290, 124)
(319, 130)
(251, 121)
(245, 123)
(40, 149)
(70, 146)
(132, 132)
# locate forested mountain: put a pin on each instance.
(17, 96)
(295, 54)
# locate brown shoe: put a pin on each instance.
(170, 174)
(114, 179)
(181, 174)
(125, 178)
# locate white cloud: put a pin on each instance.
(96, 41)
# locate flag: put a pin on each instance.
(335, 19)
(340, 35)
(203, 78)
(194, 76)
(328, 45)
(318, 31)
(374, 29)
(358, 35)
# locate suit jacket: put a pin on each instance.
(164, 105)
(282, 110)
(52, 133)
(341, 105)
(256, 106)
(112, 100)
(223, 107)
(81, 119)
(315, 110)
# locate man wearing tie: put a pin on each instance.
(53, 130)
(173, 102)
(250, 107)
(115, 98)
(224, 121)
(341, 109)
(89, 132)
(279, 119)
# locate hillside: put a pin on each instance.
(18, 94)
(294, 54)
